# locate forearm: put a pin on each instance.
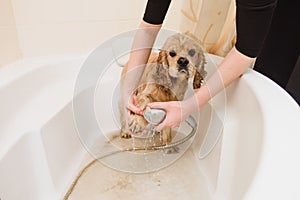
(140, 52)
(232, 66)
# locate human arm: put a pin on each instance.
(140, 52)
(253, 21)
(232, 66)
(143, 42)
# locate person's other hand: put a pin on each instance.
(131, 105)
(174, 114)
(129, 102)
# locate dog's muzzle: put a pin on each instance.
(183, 65)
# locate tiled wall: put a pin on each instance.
(9, 42)
(50, 27)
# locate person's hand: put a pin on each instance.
(129, 106)
(175, 113)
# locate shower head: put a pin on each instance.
(154, 116)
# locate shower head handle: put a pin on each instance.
(154, 116)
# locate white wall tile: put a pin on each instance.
(57, 11)
(6, 14)
(98, 32)
(48, 27)
(9, 42)
(34, 12)
(80, 37)
(114, 9)
(50, 39)
(9, 48)
(28, 12)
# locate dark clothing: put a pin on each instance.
(156, 11)
(281, 48)
(266, 29)
(253, 19)
(293, 86)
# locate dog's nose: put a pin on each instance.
(183, 62)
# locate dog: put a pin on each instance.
(165, 78)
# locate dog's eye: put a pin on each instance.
(192, 52)
(172, 53)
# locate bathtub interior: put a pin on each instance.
(42, 162)
(24, 170)
(37, 89)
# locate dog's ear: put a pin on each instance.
(200, 72)
(163, 57)
(162, 75)
(198, 79)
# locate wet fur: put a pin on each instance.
(158, 85)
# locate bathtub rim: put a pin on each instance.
(273, 139)
(254, 80)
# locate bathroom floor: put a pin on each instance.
(181, 180)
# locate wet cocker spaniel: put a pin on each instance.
(165, 78)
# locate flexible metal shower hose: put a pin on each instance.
(190, 121)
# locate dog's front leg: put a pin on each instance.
(124, 133)
(137, 123)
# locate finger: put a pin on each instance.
(160, 126)
(156, 105)
(134, 97)
(134, 109)
(127, 114)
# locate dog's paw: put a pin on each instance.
(125, 134)
(137, 124)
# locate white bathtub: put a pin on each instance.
(257, 157)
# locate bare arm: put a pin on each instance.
(233, 65)
(253, 19)
(140, 52)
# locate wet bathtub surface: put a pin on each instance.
(260, 144)
(182, 180)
